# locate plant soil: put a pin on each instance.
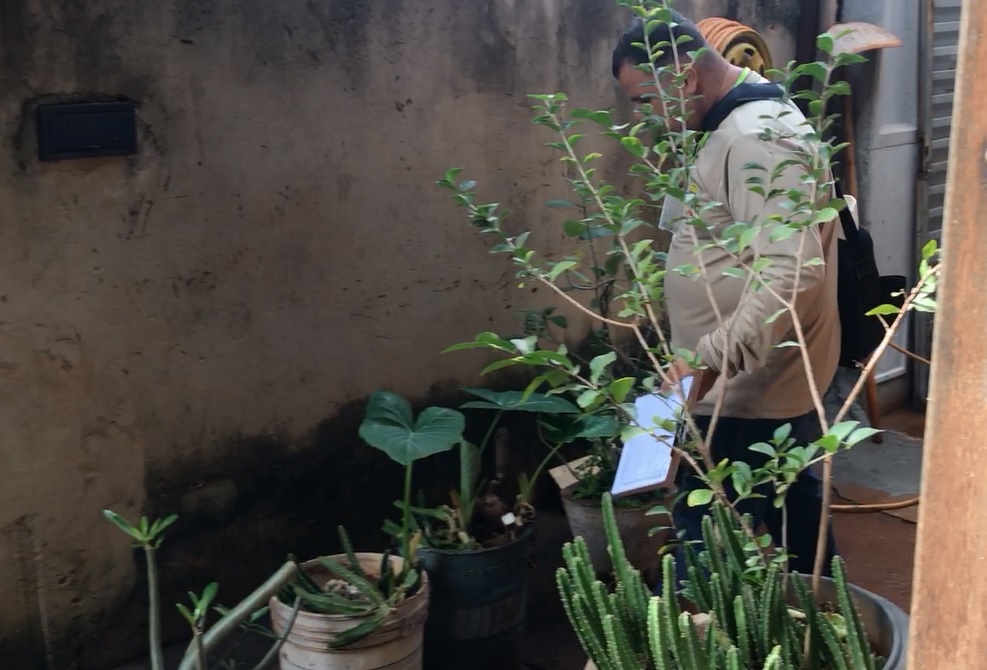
(344, 589)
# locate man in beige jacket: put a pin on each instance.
(759, 386)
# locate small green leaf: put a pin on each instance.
(186, 614)
(781, 232)
(634, 146)
(764, 448)
(560, 267)
(774, 317)
(587, 398)
(699, 497)
(848, 58)
(499, 365)
(122, 524)
(825, 215)
(747, 237)
(161, 525)
(599, 365)
(828, 443)
(619, 388)
(860, 435)
(883, 310)
(208, 595)
(737, 273)
(843, 429)
(815, 70)
(573, 228)
(559, 203)
(525, 345)
(483, 341)
(540, 403)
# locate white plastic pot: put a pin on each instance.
(395, 645)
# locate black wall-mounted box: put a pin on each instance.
(86, 130)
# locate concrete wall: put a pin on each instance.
(192, 329)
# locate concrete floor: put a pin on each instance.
(879, 547)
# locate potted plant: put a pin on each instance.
(334, 611)
(367, 606)
(738, 615)
(634, 269)
(476, 548)
(642, 520)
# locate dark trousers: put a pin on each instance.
(732, 439)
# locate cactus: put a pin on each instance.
(373, 597)
(746, 621)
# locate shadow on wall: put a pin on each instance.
(191, 329)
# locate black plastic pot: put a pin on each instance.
(478, 603)
(886, 623)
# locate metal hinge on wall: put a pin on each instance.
(924, 158)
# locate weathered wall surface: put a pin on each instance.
(192, 329)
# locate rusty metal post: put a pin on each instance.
(949, 597)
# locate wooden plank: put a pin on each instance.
(949, 620)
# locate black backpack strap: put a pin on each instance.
(739, 95)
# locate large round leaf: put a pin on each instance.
(561, 429)
(390, 425)
(515, 401)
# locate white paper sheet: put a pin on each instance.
(646, 458)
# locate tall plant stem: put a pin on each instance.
(200, 652)
(275, 649)
(406, 520)
(490, 430)
(541, 466)
(154, 611)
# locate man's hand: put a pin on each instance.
(681, 369)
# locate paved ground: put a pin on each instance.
(879, 547)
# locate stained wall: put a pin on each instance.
(192, 329)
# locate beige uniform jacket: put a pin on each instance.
(758, 379)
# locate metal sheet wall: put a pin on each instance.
(939, 48)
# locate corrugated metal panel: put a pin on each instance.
(941, 25)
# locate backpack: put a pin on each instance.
(860, 286)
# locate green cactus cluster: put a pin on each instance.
(745, 620)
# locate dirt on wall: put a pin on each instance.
(192, 329)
